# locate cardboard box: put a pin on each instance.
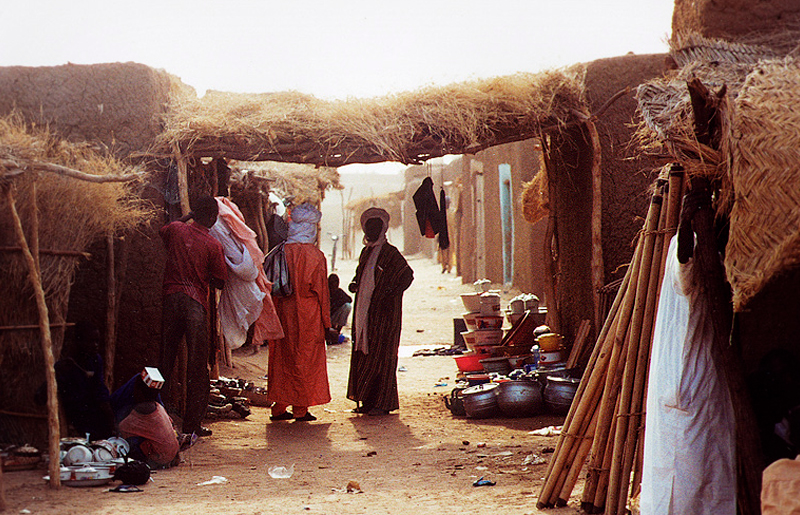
(152, 377)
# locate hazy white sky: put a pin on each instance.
(331, 48)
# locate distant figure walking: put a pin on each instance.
(381, 278)
(297, 370)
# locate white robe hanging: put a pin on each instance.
(689, 447)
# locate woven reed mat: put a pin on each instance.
(765, 219)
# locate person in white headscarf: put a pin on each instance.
(381, 278)
(297, 370)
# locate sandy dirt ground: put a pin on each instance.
(420, 459)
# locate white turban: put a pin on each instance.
(303, 224)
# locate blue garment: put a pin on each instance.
(84, 395)
(122, 401)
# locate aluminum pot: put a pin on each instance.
(480, 401)
(559, 393)
(520, 398)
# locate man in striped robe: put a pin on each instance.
(381, 278)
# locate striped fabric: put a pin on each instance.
(373, 380)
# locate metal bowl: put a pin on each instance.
(559, 393)
(520, 398)
(480, 401)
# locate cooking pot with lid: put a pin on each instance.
(480, 401)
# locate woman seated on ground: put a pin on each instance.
(148, 428)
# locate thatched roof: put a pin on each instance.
(304, 183)
(408, 128)
(758, 164)
(391, 202)
(72, 214)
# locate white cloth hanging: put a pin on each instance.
(241, 300)
(689, 447)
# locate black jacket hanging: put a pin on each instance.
(429, 216)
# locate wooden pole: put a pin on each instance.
(183, 179)
(34, 274)
(599, 502)
(111, 311)
(613, 376)
(597, 273)
(2, 490)
(583, 448)
(616, 477)
(595, 368)
(579, 344)
(261, 224)
(640, 378)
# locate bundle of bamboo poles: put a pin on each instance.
(604, 427)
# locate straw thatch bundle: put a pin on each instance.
(407, 128)
(755, 167)
(535, 198)
(665, 104)
(303, 183)
(71, 215)
(765, 220)
(391, 202)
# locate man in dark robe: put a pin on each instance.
(381, 278)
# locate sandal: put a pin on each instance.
(361, 409)
(283, 416)
(308, 417)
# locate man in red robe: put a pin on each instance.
(297, 370)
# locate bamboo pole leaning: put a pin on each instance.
(604, 423)
(579, 406)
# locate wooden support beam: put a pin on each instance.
(18, 167)
(48, 252)
(34, 275)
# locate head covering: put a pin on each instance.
(383, 215)
(303, 224)
(367, 283)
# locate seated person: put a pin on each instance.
(341, 305)
(148, 428)
(123, 400)
(81, 384)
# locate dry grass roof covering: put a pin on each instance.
(407, 128)
(391, 202)
(72, 214)
(302, 183)
(758, 164)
